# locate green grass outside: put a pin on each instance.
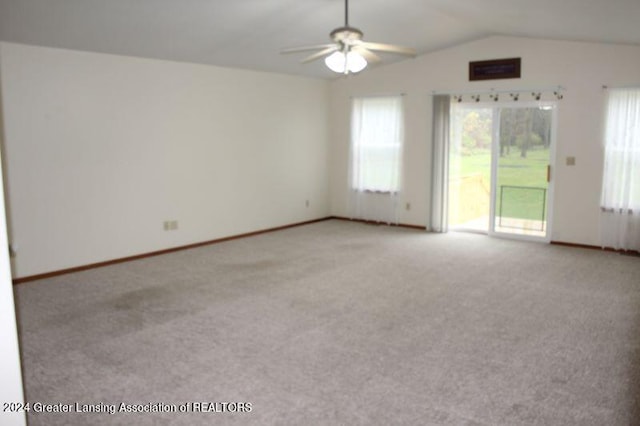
(513, 170)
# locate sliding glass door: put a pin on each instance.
(499, 168)
(470, 157)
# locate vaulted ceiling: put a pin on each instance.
(249, 34)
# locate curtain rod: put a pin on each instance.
(381, 95)
(492, 90)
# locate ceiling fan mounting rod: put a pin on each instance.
(346, 13)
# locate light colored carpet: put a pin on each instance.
(340, 323)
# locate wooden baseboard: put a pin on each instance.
(262, 231)
(372, 222)
(584, 246)
(590, 247)
(160, 252)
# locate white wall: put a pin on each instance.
(580, 67)
(101, 149)
(10, 372)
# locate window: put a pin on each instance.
(376, 144)
(620, 200)
(621, 179)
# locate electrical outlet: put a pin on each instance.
(306, 203)
(571, 161)
(170, 225)
(408, 206)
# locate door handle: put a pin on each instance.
(548, 173)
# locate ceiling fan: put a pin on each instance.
(348, 52)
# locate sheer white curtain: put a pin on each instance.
(377, 133)
(620, 200)
(440, 164)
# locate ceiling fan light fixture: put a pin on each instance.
(340, 63)
(335, 62)
(355, 62)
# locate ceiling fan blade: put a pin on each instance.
(306, 48)
(388, 48)
(371, 57)
(320, 54)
